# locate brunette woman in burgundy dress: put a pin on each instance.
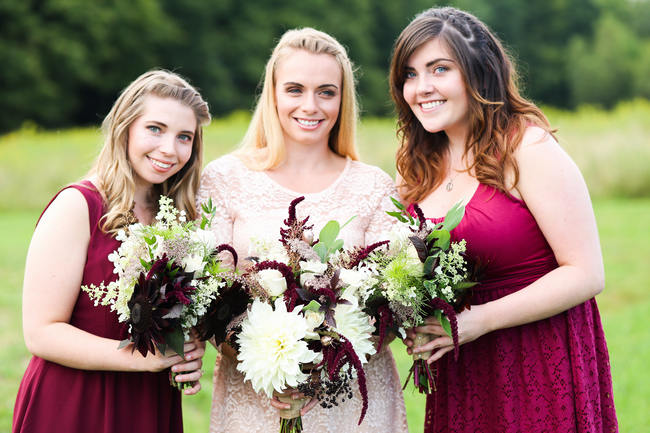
(533, 356)
(78, 380)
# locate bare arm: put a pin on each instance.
(556, 194)
(53, 274)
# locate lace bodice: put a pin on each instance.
(250, 204)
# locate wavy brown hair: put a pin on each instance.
(498, 114)
(114, 174)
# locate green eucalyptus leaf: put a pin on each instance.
(124, 343)
(443, 239)
(444, 321)
(329, 233)
(454, 216)
(397, 204)
(337, 245)
(175, 340)
(465, 285)
(429, 265)
(398, 215)
(321, 250)
(150, 241)
(312, 306)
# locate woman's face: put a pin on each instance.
(307, 96)
(435, 90)
(160, 140)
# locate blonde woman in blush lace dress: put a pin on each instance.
(301, 143)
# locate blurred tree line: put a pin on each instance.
(64, 61)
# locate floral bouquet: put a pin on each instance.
(421, 274)
(170, 281)
(304, 331)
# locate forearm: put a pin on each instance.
(557, 291)
(67, 345)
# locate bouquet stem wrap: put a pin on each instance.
(290, 419)
(420, 340)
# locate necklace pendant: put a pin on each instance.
(450, 185)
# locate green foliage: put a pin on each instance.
(65, 61)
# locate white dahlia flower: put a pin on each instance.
(272, 347)
(355, 325)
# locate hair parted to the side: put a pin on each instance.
(114, 174)
(263, 145)
(498, 114)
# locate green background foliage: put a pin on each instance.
(64, 61)
(610, 147)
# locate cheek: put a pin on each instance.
(184, 152)
(408, 92)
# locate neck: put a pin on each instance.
(307, 158)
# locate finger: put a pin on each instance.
(433, 344)
(432, 320)
(194, 389)
(278, 404)
(408, 342)
(308, 406)
(192, 376)
(188, 347)
(197, 353)
(438, 354)
(295, 395)
(410, 333)
(188, 365)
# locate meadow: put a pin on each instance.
(611, 148)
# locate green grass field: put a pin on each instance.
(612, 149)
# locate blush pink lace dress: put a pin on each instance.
(250, 204)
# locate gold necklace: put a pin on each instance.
(450, 185)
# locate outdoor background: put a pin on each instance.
(586, 62)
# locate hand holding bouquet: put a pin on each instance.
(302, 331)
(169, 280)
(422, 274)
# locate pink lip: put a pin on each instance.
(158, 168)
(435, 107)
(308, 127)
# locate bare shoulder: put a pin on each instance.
(66, 215)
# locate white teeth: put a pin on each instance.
(429, 105)
(159, 163)
(306, 122)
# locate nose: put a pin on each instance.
(168, 145)
(425, 85)
(309, 103)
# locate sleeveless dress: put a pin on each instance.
(52, 397)
(250, 204)
(552, 375)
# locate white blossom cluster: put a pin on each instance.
(183, 242)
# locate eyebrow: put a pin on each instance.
(292, 83)
(433, 62)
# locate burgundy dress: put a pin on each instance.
(52, 397)
(552, 375)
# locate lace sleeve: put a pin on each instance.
(213, 186)
(381, 222)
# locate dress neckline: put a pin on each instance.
(471, 199)
(335, 182)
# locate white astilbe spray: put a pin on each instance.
(272, 347)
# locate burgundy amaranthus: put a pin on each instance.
(336, 355)
(362, 253)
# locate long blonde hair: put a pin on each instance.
(114, 173)
(263, 145)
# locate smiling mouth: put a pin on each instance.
(308, 123)
(160, 164)
(430, 105)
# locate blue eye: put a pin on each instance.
(294, 90)
(440, 69)
(185, 138)
(153, 129)
(409, 74)
(328, 93)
